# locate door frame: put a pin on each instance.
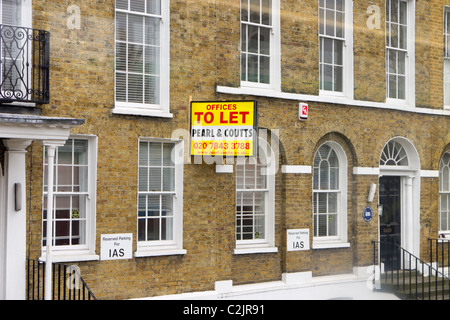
(410, 197)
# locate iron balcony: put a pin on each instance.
(24, 65)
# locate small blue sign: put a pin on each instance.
(367, 214)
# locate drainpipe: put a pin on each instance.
(48, 262)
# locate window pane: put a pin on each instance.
(153, 205)
(152, 229)
(154, 179)
(135, 29)
(327, 77)
(322, 202)
(338, 79)
(143, 153)
(332, 203)
(321, 21)
(152, 90)
(253, 37)
(264, 70)
(244, 10)
(121, 26)
(121, 86)
(122, 4)
(394, 11)
(143, 179)
(137, 5)
(168, 179)
(244, 37)
(322, 228)
(155, 154)
(255, 11)
(266, 12)
(265, 41)
(403, 12)
(329, 4)
(392, 54)
(135, 58)
(340, 23)
(329, 22)
(135, 88)
(394, 35)
(338, 52)
(332, 225)
(152, 31)
(402, 36)
(328, 50)
(154, 6)
(252, 68)
(166, 205)
(401, 87)
(392, 86)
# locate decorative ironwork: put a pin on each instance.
(410, 277)
(67, 283)
(24, 64)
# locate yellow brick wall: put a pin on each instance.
(205, 44)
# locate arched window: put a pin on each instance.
(255, 183)
(394, 154)
(329, 195)
(444, 193)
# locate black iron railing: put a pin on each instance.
(407, 275)
(24, 64)
(67, 283)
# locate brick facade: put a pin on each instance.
(205, 53)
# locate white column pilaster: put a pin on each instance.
(14, 238)
(51, 147)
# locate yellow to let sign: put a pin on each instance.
(223, 128)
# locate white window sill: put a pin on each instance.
(252, 250)
(329, 244)
(140, 253)
(70, 257)
(270, 93)
(142, 112)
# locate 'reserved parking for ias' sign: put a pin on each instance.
(223, 128)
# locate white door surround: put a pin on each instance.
(17, 132)
(408, 169)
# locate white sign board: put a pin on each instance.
(116, 246)
(297, 239)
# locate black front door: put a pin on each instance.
(389, 195)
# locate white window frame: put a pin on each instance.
(444, 194)
(275, 48)
(347, 52)
(340, 240)
(446, 66)
(175, 246)
(163, 109)
(266, 245)
(410, 99)
(81, 252)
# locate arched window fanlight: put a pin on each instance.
(393, 154)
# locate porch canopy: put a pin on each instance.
(18, 130)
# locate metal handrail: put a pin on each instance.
(63, 287)
(407, 262)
